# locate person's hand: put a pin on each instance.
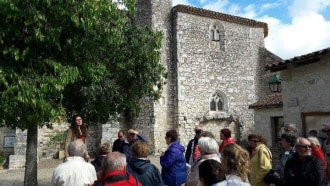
(86, 157)
(100, 174)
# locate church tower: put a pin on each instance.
(158, 116)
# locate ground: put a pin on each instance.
(15, 177)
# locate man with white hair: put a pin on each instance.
(114, 172)
(209, 149)
(303, 169)
(75, 170)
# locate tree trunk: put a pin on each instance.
(31, 172)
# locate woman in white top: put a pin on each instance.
(235, 160)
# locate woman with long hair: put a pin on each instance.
(235, 159)
(76, 131)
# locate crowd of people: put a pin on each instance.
(205, 162)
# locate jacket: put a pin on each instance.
(308, 172)
(226, 142)
(173, 165)
(118, 145)
(145, 172)
(260, 165)
(232, 180)
(97, 162)
(127, 146)
(191, 148)
(279, 168)
(117, 178)
(193, 177)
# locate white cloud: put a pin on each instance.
(304, 35)
(183, 2)
(306, 32)
(306, 7)
(219, 6)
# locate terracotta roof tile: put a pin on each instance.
(270, 101)
(298, 60)
(221, 16)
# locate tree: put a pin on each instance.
(59, 57)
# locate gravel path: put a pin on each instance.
(15, 177)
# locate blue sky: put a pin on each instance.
(296, 27)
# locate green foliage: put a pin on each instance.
(56, 138)
(60, 57)
(2, 159)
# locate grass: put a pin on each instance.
(2, 161)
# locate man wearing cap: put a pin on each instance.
(192, 151)
(132, 137)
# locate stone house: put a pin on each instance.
(216, 78)
(305, 93)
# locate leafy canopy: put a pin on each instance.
(60, 57)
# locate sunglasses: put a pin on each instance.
(255, 141)
(305, 146)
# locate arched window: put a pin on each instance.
(217, 33)
(217, 102)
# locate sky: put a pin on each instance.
(296, 27)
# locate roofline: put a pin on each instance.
(221, 16)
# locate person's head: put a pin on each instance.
(235, 159)
(140, 149)
(313, 133)
(77, 121)
(291, 128)
(225, 134)
(207, 145)
(303, 147)
(250, 137)
(314, 141)
(287, 141)
(77, 148)
(211, 172)
(207, 134)
(257, 140)
(131, 135)
(105, 148)
(114, 161)
(171, 136)
(121, 135)
(198, 131)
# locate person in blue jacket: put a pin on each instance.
(173, 161)
(141, 168)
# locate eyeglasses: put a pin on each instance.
(305, 146)
(255, 141)
(120, 136)
(131, 134)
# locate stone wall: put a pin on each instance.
(305, 89)
(7, 134)
(263, 123)
(203, 69)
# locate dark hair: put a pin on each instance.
(289, 138)
(226, 133)
(251, 136)
(261, 139)
(211, 171)
(207, 134)
(173, 134)
(312, 131)
(82, 127)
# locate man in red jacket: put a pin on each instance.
(113, 172)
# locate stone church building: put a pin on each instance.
(216, 79)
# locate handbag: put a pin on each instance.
(272, 177)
